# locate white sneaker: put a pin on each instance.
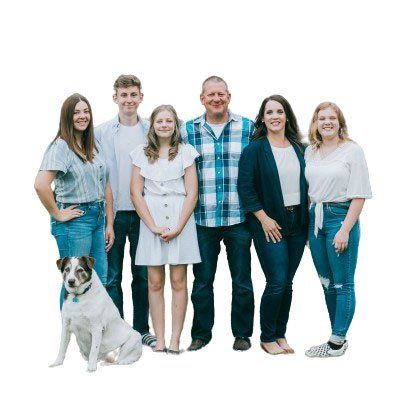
(324, 350)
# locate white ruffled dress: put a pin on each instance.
(164, 193)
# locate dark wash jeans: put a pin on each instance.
(237, 240)
(127, 224)
(279, 262)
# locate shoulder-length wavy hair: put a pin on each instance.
(291, 127)
(314, 136)
(153, 144)
(66, 129)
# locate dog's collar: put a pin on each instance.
(75, 298)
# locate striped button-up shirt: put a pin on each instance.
(76, 182)
(217, 168)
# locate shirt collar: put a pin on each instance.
(202, 121)
(143, 122)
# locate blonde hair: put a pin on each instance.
(153, 145)
(314, 136)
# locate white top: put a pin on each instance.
(128, 138)
(288, 166)
(339, 177)
(217, 128)
(164, 177)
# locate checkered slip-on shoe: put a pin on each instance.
(324, 350)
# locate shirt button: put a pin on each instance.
(218, 157)
(161, 184)
(165, 205)
(167, 217)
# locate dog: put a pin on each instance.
(90, 314)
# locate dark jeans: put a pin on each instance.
(127, 224)
(237, 240)
(279, 262)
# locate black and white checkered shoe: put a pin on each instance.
(324, 350)
(149, 340)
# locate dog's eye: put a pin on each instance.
(66, 269)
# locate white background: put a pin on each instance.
(349, 53)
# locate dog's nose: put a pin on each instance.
(71, 282)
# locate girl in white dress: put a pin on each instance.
(164, 192)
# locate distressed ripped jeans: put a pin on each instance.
(336, 271)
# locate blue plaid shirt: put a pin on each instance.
(217, 168)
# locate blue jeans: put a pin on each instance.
(336, 271)
(84, 235)
(127, 224)
(237, 240)
(279, 262)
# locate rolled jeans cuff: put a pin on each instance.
(334, 338)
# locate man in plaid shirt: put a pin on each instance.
(220, 136)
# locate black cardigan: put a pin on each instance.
(259, 185)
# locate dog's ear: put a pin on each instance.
(88, 262)
(62, 262)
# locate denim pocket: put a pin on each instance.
(338, 209)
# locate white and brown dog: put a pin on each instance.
(90, 314)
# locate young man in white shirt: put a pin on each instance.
(118, 137)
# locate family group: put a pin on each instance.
(177, 189)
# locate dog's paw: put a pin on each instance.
(91, 368)
(56, 363)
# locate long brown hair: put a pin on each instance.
(153, 145)
(291, 126)
(66, 129)
(315, 137)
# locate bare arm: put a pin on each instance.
(136, 194)
(190, 201)
(42, 186)
(340, 241)
(109, 233)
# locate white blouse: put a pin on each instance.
(288, 166)
(164, 177)
(338, 177)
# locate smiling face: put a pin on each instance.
(164, 124)
(328, 123)
(274, 117)
(215, 98)
(82, 116)
(128, 100)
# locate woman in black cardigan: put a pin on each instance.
(273, 191)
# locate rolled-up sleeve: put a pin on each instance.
(246, 181)
(56, 157)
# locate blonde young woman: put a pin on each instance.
(337, 174)
(164, 192)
